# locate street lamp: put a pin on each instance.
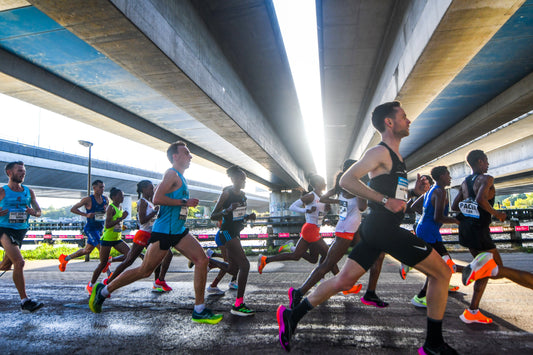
(89, 145)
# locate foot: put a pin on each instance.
(209, 252)
(233, 285)
(404, 269)
(242, 311)
(285, 327)
(157, 289)
(355, 289)
(96, 300)
(482, 266)
(453, 288)
(62, 262)
(31, 306)
(286, 248)
(89, 288)
(163, 285)
(451, 264)
(261, 263)
(468, 317)
(419, 301)
(295, 297)
(206, 316)
(374, 301)
(214, 291)
(444, 349)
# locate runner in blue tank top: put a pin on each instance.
(17, 204)
(168, 231)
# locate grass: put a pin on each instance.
(50, 251)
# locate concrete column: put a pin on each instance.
(126, 206)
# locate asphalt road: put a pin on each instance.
(137, 321)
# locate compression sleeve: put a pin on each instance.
(298, 206)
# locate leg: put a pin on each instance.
(134, 252)
(523, 278)
(237, 257)
(81, 252)
(191, 249)
(13, 253)
(323, 249)
(301, 247)
(104, 256)
(161, 271)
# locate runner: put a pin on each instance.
(231, 208)
(436, 206)
(95, 207)
(17, 204)
(345, 232)
(381, 231)
(112, 237)
(310, 235)
(146, 215)
(172, 194)
(475, 201)
(213, 287)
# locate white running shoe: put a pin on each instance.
(233, 285)
(214, 291)
(209, 252)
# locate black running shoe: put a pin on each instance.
(374, 301)
(285, 327)
(31, 306)
(444, 349)
(295, 297)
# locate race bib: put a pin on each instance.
(17, 216)
(99, 216)
(402, 190)
(343, 210)
(184, 212)
(117, 228)
(238, 213)
(469, 208)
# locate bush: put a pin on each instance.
(49, 251)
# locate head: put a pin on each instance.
(477, 159)
(429, 179)
(441, 175)
(16, 171)
(145, 188)
(316, 184)
(237, 176)
(98, 187)
(116, 195)
(178, 154)
(391, 116)
(345, 166)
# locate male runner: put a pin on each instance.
(387, 194)
(475, 201)
(15, 210)
(172, 194)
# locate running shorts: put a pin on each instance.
(310, 232)
(475, 235)
(110, 243)
(223, 236)
(15, 235)
(345, 235)
(167, 240)
(439, 248)
(93, 236)
(141, 238)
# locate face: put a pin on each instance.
(98, 189)
(401, 123)
(239, 180)
(148, 191)
(319, 184)
(17, 173)
(118, 198)
(484, 164)
(445, 179)
(183, 157)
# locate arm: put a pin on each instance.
(35, 210)
(362, 204)
(143, 217)
(109, 213)
(326, 198)
(171, 182)
(218, 212)
(2, 195)
(298, 206)
(416, 205)
(482, 198)
(457, 200)
(439, 200)
(85, 202)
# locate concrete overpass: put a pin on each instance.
(216, 75)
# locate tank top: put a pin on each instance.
(349, 215)
(147, 227)
(171, 219)
(394, 184)
(113, 233)
(317, 216)
(16, 203)
(485, 218)
(96, 222)
(234, 220)
(428, 215)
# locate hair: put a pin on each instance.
(474, 156)
(233, 171)
(383, 111)
(345, 166)
(141, 185)
(438, 171)
(173, 149)
(429, 178)
(114, 191)
(11, 165)
(312, 181)
(96, 182)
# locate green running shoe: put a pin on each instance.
(419, 301)
(96, 300)
(242, 311)
(206, 316)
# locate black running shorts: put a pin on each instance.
(167, 240)
(15, 235)
(475, 235)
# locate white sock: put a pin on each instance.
(293, 249)
(199, 308)
(494, 271)
(91, 284)
(473, 311)
(105, 292)
(22, 301)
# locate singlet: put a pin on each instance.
(393, 184)
(96, 222)
(147, 227)
(234, 220)
(317, 216)
(113, 233)
(16, 203)
(485, 218)
(349, 215)
(171, 219)
(428, 216)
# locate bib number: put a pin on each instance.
(343, 210)
(238, 213)
(184, 212)
(99, 216)
(402, 190)
(17, 217)
(469, 208)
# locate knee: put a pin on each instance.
(201, 261)
(342, 283)
(19, 264)
(245, 265)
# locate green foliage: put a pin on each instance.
(50, 251)
(57, 213)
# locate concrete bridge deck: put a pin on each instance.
(135, 320)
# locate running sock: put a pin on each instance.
(91, 284)
(370, 294)
(239, 301)
(494, 271)
(67, 258)
(234, 278)
(105, 292)
(301, 310)
(199, 308)
(422, 293)
(434, 334)
(24, 300)
(473, 311)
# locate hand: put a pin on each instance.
(3, 212)
(192, 202)
(421, 185)
(252, 217)
(394, 205)
(124, 215)
(313, 209)
(31, 212)
(501, 216)
(90, 215)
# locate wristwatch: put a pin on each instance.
(184, 201)
(384, 200)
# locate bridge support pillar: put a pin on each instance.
(516, 237)
(126, 206)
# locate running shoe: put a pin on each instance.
(233, 285)
(286, 248)
(30, 306)
(89, 288)
(62, 262)
(206, 316)
(453, 288)
(163, 285)
(482, 266)
(469, 317)
(107, 266)
(444, 349)
(450, 264)
(285, 327)
(242, 311)
(419, 301)
(404, 269)
(209, 252)
(295, 297)
(2, 273)
(376, 302)
(157, 289)
(261, 263)
(355, 289)
(214, 290)
(109, 273)
(96, 300)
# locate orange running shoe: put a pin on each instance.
(261, 263)
(62, 262)
(355, 289)
(482, 266)
(107, 266)
(451, 265)
(469, 317)
(453, 288)
(89, 288)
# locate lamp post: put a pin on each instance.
(88, 145)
